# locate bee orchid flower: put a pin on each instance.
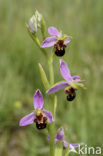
(57, 40)
(60, 138)
(70, 85)
(39, 116)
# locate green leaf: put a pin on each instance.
(59, 150)
(43, 28)
(44, 77)
(55, 104)
(67, 151)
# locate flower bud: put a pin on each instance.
(35, 22)
(38, 18)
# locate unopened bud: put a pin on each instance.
(35, 22)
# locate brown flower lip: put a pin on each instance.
(71, 94)
(60, 48)
(40, 121)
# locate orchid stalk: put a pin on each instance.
(49, 59)
(39, 115)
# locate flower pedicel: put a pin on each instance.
(39, 116)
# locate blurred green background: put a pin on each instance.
(19, 73)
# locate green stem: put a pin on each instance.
(52, 137)
(59, 149)
(51, 126)
(36, 40)
(67, 151)
(51, 72)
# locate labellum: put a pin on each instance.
(60, 48)
(71, 94)
(41, 122)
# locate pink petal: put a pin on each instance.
(38, 100)
(49, 42)
(65, 71)
(28, 119)
(60, 134)
(53, 31)
(57, 87)
(68, 40)
(77, 144)
(31, 26)
(72, 146)
(65, 144)
(76, 78)
(48, 115)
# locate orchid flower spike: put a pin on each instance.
(39, 116)
(60, 138)
(70, 85)
(35, 22)
(57, 40)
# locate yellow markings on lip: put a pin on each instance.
(72, 85)
(38, 112)
(67, 88)
(63, 38)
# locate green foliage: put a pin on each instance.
(43, 77)
(19, 76)
(59, 150)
